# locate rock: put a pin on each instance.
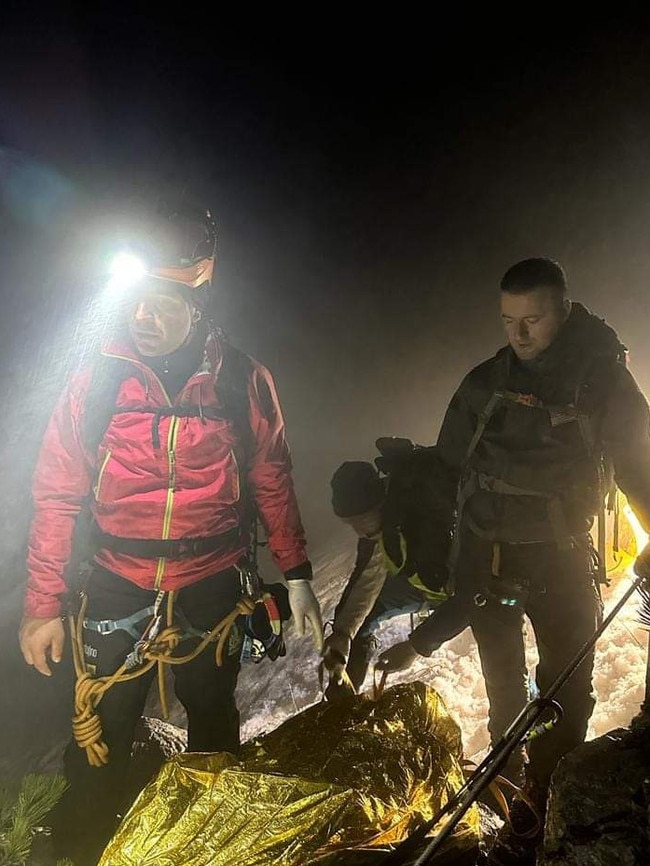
(598, 810)
(491, 823)
(155, 742)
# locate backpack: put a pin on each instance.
(419, 507)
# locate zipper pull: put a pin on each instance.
(172, 469)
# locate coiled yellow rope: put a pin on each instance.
(89, 690)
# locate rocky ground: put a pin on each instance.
(599, 808)
(35, 711)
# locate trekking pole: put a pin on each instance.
(517, 733)
(480, 779)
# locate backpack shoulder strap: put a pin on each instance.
(109, 373)
(500, 378)
(101, 398)
(483, 420)
(232, 390)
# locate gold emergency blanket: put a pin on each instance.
(337, 784)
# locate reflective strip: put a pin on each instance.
(391, 567)
(435, 597)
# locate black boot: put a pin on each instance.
(83, 845)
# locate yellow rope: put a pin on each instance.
(89, 690)
(496, 787)
(378, 685)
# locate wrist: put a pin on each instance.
(297, 582)
(301, 572)
(28, 619)
(338, 642)
(41, 606)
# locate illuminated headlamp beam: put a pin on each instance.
(125, 271)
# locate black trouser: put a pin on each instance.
(559, 596)
(86, 816)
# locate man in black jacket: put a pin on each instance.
(535, 436)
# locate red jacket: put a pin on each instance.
(188, 487)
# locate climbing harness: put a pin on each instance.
(155, 646)
(263, 625)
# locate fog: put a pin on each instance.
(365, 222)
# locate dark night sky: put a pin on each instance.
(372, 176)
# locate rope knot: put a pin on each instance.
(246, 605)
(164, 645)
(86, 724)
(89, 690)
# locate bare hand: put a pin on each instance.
(396, 658)
(336, 650)
(40, 637)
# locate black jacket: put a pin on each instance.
(539, 466)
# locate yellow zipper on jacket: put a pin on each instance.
(100, 474)
(171, 461)
(172, 439)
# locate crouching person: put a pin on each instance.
(401, 559)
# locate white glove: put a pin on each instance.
(336, 652)
(305, 607)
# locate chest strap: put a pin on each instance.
(159, 412)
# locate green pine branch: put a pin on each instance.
(22, 811)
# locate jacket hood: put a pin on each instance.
(583, 339)
(589, 334)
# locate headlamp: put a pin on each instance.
(126, 270)
(179, 249)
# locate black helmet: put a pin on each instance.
(187, 245)
(175, 245)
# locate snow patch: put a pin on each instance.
(270, 693)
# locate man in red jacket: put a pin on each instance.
(191, 444)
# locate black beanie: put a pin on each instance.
(356, 488)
